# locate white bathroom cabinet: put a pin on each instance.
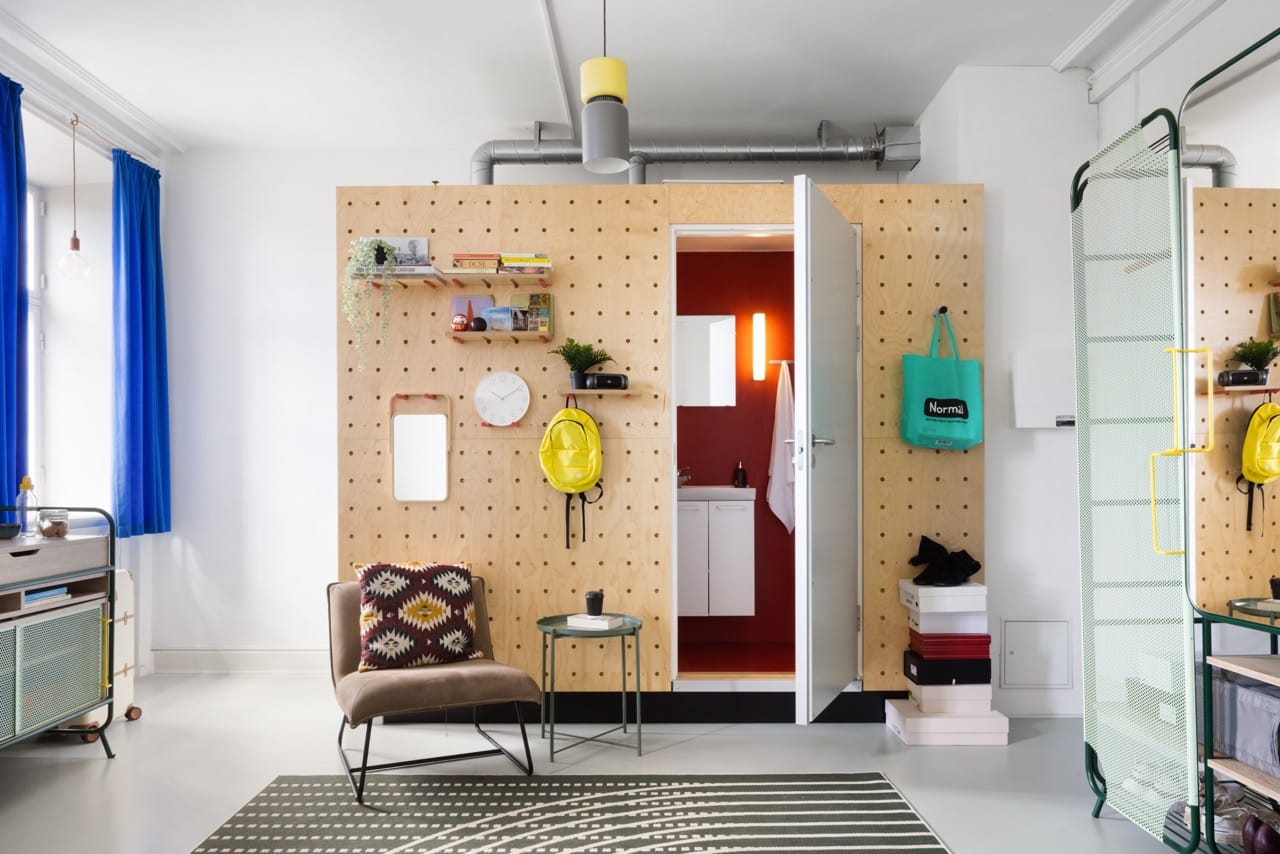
(716, 557)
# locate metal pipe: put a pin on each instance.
(564, 151)
(1217, 158)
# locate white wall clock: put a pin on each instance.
(502, 399)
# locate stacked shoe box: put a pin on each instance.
(948, 669)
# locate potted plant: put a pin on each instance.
(1258, 355)
(366, 288)
(580, 358)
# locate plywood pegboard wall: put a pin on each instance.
(1235, 241)
(610, 246)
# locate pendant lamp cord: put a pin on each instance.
(75, 120)
(604, 27)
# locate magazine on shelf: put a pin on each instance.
(586, 621)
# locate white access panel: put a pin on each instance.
(1035, 654)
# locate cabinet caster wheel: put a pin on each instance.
(132, 713)
(89, 737)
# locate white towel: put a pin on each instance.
(782, 472)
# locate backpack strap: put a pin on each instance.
(1262, 499)
(568, 504)
(585, 501)
(568, 397)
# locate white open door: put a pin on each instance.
(827, 485)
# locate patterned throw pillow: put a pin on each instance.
(413, 614)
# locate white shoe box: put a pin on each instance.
(950, 699)
(969, 596)
(914, 727)
(953, 623)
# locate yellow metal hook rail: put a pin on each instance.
(1177, 450)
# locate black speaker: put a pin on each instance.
(606, 381)
(1230, 378)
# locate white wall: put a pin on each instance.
(1022, 132)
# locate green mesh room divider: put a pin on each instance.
(1131, 369)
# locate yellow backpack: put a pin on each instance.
(572, 460)
(1260, 454)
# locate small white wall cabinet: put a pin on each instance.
(716, 557)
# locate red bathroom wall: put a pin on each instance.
(712, 439)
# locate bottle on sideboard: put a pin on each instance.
(740, 476)
(27, 498)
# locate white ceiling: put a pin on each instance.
(396, 73)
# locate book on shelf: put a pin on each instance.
(525, 258)
(526, 269)
(48, 594)
(414, 270)
(586, 621)
(475, 262)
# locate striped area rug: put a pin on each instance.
(558, 815)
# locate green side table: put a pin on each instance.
(1257, 607)
(554, 628)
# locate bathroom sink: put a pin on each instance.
(716, 493)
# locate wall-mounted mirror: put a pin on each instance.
(706, 357)
(420, 447)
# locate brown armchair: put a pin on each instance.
(362, 696)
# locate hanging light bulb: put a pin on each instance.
(606, 143)
(73, 265)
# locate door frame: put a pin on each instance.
(726, 230)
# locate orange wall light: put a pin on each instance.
(757, 346)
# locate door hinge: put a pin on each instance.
(40, 209)
(857, 622)
(42, 342)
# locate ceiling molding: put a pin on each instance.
(1163, 28)
(55, 86)
(1089, 40)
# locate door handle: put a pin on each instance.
(820, 441)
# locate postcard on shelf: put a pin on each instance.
(538, 307)
(471, 307)
(411, 253)
(498, 318)
(586, 621)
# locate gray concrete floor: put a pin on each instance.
(207, 743)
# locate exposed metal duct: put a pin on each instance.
(1216, 158)
(894, 148)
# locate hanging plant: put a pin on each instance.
(366, 289)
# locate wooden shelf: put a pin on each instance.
(1242, 389)
(464, 278)
(602, 392)
(1260, 781)
(489, 337)
(1264, 668)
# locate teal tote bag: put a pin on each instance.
(941, 397)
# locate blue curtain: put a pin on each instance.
(141, 447)
(13, 291)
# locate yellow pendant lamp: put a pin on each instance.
(606, 136)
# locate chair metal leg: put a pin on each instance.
(527, 765)
(357, 787)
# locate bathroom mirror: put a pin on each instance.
(420, 455)
(705, 360)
